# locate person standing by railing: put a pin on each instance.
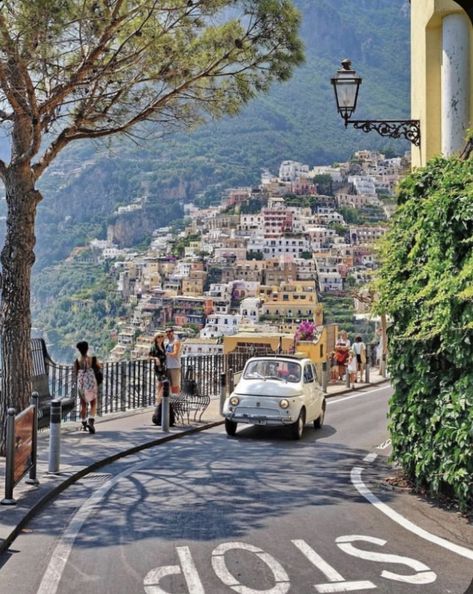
(157, 354)
(173, 360)
(86, 369)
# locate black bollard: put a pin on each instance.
(54, 458)
(165, 407)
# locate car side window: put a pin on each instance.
(314, 371)
(308, 375)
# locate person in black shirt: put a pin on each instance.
(157, 354)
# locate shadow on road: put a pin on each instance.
(215, 487)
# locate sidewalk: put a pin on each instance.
(117, 435)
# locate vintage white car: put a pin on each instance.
(276, 390)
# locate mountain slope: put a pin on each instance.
(296, 120)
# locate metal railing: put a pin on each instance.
(129, 385)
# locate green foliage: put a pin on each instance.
(351, 215)
(341, 311)
(324, 184)
(425, 285)
(86, 306)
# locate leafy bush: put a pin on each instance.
(426, 287)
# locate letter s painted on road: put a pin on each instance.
(423, 576)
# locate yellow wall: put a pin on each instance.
(426, 61)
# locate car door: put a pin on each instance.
(310, 392)
(318, 393)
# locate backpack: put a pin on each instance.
(87, 383)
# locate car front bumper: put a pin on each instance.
(254, 418)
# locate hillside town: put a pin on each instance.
(260, 261)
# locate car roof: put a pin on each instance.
(298, 358)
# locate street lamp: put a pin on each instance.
(346, 84)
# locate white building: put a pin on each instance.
(290, 171)
(250, 308)
(220, 325)
(363, 184)
(293, 245)
(201, 346)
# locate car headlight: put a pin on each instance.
(284, 403)
(234, 401)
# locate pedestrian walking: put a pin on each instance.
(172, 345)
(157, 354)
(342, 349)
(359, 349)
(88, 373)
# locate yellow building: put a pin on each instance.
(295, 300)
(441, 75)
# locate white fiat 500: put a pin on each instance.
(276, 390)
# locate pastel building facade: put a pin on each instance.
(441, 75)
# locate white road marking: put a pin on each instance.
(153, 577)
(219, 566)
(401, 520)
(384, 445)
(338, 581)
(190, 571)
(370, 457)
(423, 574)
(52, 576)
(342, 398)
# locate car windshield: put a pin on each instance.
(270, 369)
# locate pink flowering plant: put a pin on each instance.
(306, 331)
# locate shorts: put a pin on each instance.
(174, 376)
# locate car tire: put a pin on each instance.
(318, 423)
(230, 427)
(297, 428)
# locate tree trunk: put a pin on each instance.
(17, 258)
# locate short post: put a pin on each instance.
(230, 385)
(10, 459)
(324, 376)
(383, 363)
(223, 387)
(54, 458)
(347, 377)
(367, 372)
(165, 407)
(33, 479)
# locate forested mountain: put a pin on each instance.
(296, 120)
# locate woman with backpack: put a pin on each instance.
(88, 374)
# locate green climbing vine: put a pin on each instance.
(425, 285)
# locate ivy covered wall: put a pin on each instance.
(426, 287)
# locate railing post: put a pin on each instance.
(123, 386)
(324, 376)
(230, 385)
(367, 373)
(54, 458)
(223, 386)
(33, 479)
(165, 407)
(10, 459)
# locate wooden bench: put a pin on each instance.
(40, 381)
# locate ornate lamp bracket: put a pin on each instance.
(408, 129)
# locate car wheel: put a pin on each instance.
(230, 427)
(298, 427)
(320, 421)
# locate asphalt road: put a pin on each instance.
(254, 514)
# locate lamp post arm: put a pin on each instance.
(408, 129)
